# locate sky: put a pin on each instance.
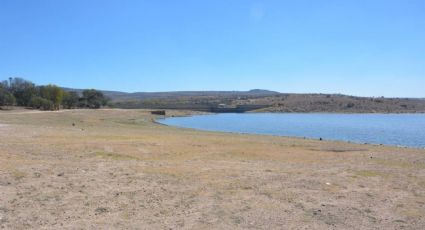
(355, 47)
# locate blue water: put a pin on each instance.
(388, 129)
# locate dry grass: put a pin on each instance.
(119, 169)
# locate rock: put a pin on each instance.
(61, 174)
(101, 210)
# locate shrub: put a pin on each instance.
(6, 98)
(70, 100)
(41, 103)
(52, 93)
(350, 105)
(93, 99)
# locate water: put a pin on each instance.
(388, 129)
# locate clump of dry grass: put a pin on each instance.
(17, 174)
(114, 156)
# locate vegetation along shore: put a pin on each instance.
(20, 92)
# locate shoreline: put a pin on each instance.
(190, 113)
(157, 121)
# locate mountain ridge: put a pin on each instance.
(261, 100)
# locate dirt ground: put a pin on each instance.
(117, 169)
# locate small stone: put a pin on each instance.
(101, 210)
(61, 174)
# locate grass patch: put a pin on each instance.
(18, 174)
(368, 173)
(114, 156)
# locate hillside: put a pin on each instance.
(118, 96)
(336, 103)
(262, 101)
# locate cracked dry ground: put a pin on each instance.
(116, 169)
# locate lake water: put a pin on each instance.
(388, 129)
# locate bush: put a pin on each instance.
(41, 103)
(70, 100)
(52, 93)
(350, 105)
(93, 99)
(6, 98)
(22, 90)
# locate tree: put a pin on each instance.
(48, 97)
(22, 90)
(70, 100)
(38, 102)
(9, 99)
(52, 93)
(6, 98)
(4, 85)
(93, 99)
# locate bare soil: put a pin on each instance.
(117, 169)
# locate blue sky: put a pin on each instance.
(356, 47)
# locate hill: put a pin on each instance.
(262, 101)
(123, 96)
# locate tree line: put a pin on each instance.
(21, 92)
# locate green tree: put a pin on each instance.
(22, 90)
(52, 93)
(9, 100)
(70, 100)
(6, 98)
(4, 85)
(93, 99)
(38, 102)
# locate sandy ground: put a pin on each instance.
(116, 169)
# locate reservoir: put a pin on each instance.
(388, 129)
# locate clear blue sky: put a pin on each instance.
(357, 47)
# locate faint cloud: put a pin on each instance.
(257, 11)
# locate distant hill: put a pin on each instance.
(336, 103)
(262, 101)
(123, 96)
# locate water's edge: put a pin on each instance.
(160, 121)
